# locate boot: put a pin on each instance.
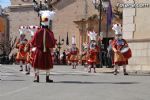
(26, 68)
(48, 80)
(115, 72)
(89, 70)
(37, 79)
(94, 70)
(28, 72)
(125, 72)
(21, 68)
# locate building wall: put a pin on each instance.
(136, 29)
(141, 56)
(2, 29)
(65, 17)
(21, 16)
(142, 21)
(17, 2)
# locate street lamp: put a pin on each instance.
(100, 5)
(59, 46)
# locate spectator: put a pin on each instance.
(110, 54)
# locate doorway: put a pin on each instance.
(103, 56)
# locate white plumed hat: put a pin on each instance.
(46, 16)
(92, 35)
(49, 14)
(73, 39)
(33, 29)
(22, 30)
(117, 28)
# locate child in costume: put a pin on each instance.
(92, 52)
(20, 45)
(29, 49)
(74, 53)
(121, 50)
(84, 55)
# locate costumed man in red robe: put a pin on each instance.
(92, 52)
(44, 42)
(20, 45)
(122, 52)
(29, 49)
(74, 54)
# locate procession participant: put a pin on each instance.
(110, 54)
(122, 52)
(20, 44)
(44, 42)
(68, 54)
(29, 49)
(92, 52)
(84, 55)
(74, 53)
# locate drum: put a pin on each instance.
(126, 51)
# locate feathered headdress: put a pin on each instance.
(33, 29)
(92, 35)
(117, 28)
(22, 30)
(46, 16)
(73, 39)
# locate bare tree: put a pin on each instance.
(118, 13)
(7, 46)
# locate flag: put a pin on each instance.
(109, 16)
(67, 40)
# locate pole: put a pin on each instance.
(100, 16)
(99, 43)
(59, 44)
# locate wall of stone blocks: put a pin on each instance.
(140, 55)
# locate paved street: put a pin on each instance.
(72, 84)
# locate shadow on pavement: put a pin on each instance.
(71, 74)
(12, 75)
(79, 82)
(13, 80)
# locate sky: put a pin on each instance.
(4, 3)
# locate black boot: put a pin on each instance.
(28, 73)
(48, 80)
(21, 68)
(125, 72)
(115, 72)
(37, 79)
(26, 68)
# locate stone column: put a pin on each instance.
(128, 21)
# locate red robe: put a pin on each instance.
(92, 56)
(74, 54)
(21, 55)
(43, 60)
